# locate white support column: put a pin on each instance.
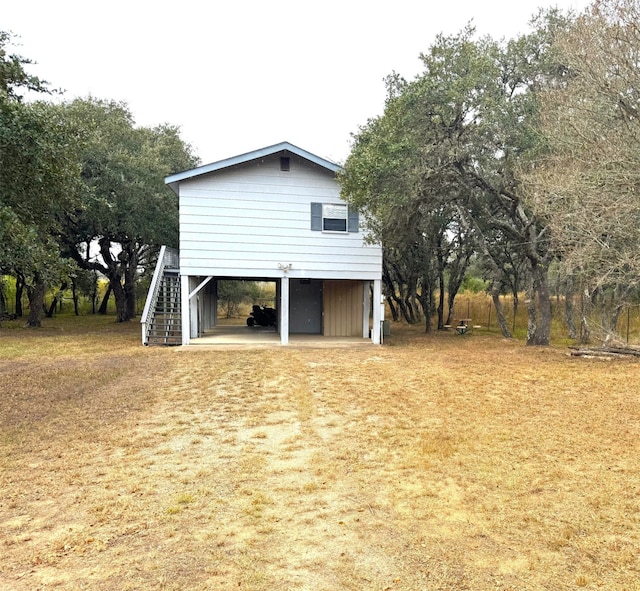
(214, 319)
(184, 305)
(366, 308)
(377, 312)
(194, 311)
(284, 310)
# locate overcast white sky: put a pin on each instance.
(238, 76)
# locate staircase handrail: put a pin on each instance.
(167, 258)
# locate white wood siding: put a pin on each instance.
(246, 220)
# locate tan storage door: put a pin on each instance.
(343, 308)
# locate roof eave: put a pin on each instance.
(174, 180)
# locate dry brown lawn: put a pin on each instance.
(434, 462)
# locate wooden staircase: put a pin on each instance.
(162, 315)
(166, 323)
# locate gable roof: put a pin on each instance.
(174, 180)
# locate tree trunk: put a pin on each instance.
(57, 298)
(426, 303)
(3, 297)
(568, 309)
(457, 271)
(393, 309)
(390, 290)
(539, 325)
(114, 274)
(36, 302)
(49, 312)
(441, 257)
(615, 316)
(410, 311)
(502, 321)
(496, 272)
(94, 292)
(130, 298)
(405, 311)
(122, 312)
(441, 298)
(130, 276)
(20, 283)
(105, 300)
(585, 306)
(74, 295)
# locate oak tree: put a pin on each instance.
(585, 184)
(124, 210)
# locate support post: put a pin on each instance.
(284, 310)
(185, 307)
(377, 312)
(366, 308)
(194, 309)
(214, 319)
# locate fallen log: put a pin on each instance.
(605, 351)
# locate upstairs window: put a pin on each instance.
(333, 217)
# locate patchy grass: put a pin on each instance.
(434, 462)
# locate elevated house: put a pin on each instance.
(273, 214)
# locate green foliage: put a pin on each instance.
(233, 293)
(78, 179)
(14, 79)
(123, 169)
(124, 206)
(38, 179)
(473, 284)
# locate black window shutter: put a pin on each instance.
(354, 221)
(316, 217)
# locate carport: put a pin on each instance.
(307, 309)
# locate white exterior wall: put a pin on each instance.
(251, 219)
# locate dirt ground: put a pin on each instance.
(434, 462)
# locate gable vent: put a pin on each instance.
(285, 165)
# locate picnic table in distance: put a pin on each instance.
(463, 327)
